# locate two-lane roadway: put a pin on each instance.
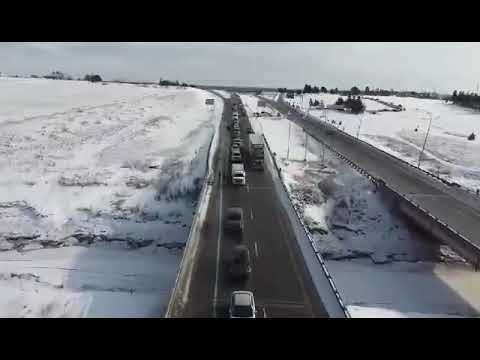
(280, 281)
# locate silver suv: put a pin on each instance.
(242, 305)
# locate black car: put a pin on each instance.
(240, 268)
(233, 219)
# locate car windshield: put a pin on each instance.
(235, 216)
(242, 311)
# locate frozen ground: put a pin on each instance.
(448, 153)
(382, 266)
(98, 190)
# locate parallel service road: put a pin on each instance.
(455, 207)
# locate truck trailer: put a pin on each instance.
(256, 151)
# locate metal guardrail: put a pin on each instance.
(473, 247)
(307, 233)
(362, 171)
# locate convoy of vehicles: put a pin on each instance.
(242, 303)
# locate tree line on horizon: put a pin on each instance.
(355, 90)
(471, 100)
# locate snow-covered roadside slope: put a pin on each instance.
(98, 189)
(381, 266)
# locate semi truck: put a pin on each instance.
(256, 152)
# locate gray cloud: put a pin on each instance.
(418, 66)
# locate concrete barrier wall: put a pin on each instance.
(180, 290)
(179, 294)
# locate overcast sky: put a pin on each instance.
(414, 66)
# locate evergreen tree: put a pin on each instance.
(355, 90)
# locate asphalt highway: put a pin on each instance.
(280, 281)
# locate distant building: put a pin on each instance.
(58, 75)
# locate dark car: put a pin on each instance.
(233, 219)
(240, 267)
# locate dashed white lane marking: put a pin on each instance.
(256, 249)
(264, 313)
(251, 214)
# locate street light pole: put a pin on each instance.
(306, 144)
(425, 141)
(288, 146)
(323, 154)
(358, 131)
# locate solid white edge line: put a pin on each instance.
(219, 235)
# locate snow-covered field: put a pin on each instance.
(382, 266)
(98, 189)
(448, 153)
